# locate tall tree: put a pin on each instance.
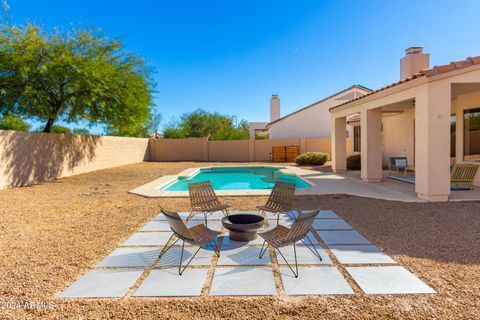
(72, 75)
(201, 123)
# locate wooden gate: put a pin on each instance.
(284, 153)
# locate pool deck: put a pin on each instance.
(323, 183)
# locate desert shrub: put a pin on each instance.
(354, 162)
(312, 158)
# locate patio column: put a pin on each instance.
(339, 144)
(432, 141)
(371, 145)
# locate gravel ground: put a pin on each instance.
(53, 233)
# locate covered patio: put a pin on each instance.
(430, 117)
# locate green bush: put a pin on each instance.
(354, 162)
(13, 123)
(312, 158)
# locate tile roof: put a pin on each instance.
(313, 104)
(455, 65)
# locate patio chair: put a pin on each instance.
(282, 236)
(398, 165)
(280, 199)
(463, 174)
(204, 200)
(198, 235)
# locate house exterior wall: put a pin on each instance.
(398, 136)
(462, 103)
(312, 122)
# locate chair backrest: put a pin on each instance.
(401, 162)
(202, 196)
(282, 196)
(300, 227)
(177, 225)
(463, 172)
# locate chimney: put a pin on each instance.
(274, 107)
(414, 61)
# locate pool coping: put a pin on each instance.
(152, 189)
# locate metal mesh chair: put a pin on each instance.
(281, 236)
(198, 235)
(280, 200)
(204, 200)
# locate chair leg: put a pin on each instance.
(205, 217)
(278, 218)
(312, 248)
(165, 249)
(295, 273)
(262, 252)
(180, 270)
(191, 215)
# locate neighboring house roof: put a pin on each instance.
(455, 65)
(355, 86)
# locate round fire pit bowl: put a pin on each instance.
(243, 227)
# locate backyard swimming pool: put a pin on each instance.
(237, 178)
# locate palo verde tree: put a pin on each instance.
(73, 75)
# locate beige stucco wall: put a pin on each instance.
(313, 122)
(190, 149)
(200, 149)
(398, 136)
(230, 150)
(27, 158)
(459, 105)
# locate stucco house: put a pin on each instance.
(312, 121)
(431, 116)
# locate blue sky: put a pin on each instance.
(230, 56)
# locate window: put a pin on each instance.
(453, 135)
(471, 136)
(356, 139)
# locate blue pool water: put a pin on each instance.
(237, 178)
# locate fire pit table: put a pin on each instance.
(243, 227)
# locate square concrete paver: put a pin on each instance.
(387, 280)
(305, 255)
(331, 224)
(168, 283)
(130, 257)
(102, 284)
(148, 239)
(314, 280)
(242, 256)
(226, 241)
(342, 237)
(243, 281)
(327, 214)
(311, 237)
(172, 257)
(360, 254)
(215, 225)
(182, 214)
(156, 225)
